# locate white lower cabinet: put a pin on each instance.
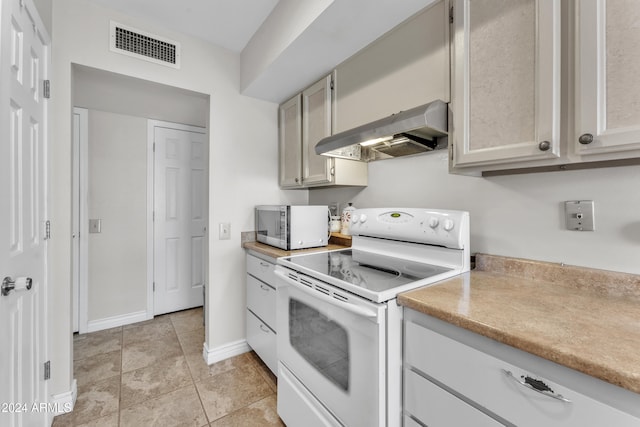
(451, 382)
(261, 310)
(449, 410)
(262, 340)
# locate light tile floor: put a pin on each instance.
(153, 374)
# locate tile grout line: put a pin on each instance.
(121, 373)
(193, 381)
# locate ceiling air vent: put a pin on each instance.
(142, 45)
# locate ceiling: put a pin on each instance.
(284, 45)
(226, 23)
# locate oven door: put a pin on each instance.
(333, 344)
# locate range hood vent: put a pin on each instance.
(418, 130)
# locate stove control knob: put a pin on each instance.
(448, 225)
(433, 222)
(363, 218)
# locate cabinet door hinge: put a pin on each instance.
(154, 147)
(47, 370)
(154, 286)
(331, 85)
(46, 89)
(47, 230)
(451, 15)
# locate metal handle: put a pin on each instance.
(536, 385)
(297, 180)
(265, 288)
(264, 328)
(264, 264)
(361, 311)
(585, 138)
(544, 145)
(8, 284)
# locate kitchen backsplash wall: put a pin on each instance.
(516, 215)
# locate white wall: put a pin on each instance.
(516, 215)
(243, 161)
(117, 193)
(101, 90)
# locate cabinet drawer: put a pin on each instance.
(261, 299)
(436, 407)
(482, 378)
(261, 269)
(263, 341)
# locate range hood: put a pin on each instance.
(418, 130)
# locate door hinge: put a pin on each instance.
(331, 86)
(154, 147)
(46, 89)
(451, 15)
(154, 286)
(47, 230)
(47, 370)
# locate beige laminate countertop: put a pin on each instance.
(584, 319)
(277, 252)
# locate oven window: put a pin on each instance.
(320, 341)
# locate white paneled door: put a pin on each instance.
(180, 218)
(24, 59)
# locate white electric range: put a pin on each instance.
(339, 326)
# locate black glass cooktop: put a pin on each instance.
(367, 270)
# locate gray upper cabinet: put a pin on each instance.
(290, 143)
(509, 111)
(316, 124)
(505, 82)
(303, 121)
(607, 103)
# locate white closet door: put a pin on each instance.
(180, 219)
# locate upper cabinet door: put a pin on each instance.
(290, 124)
(316, 124)
(506, 81)
(607, 69)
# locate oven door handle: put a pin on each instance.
(360, 311)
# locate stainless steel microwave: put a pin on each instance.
(292, 227)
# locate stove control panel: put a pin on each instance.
(430, 226)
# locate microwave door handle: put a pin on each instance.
(361, 311)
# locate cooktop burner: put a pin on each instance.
(365, 269)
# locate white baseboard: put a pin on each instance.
(64, 402)
(115, 321)
(223, 352)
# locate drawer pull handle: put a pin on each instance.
(264, 288)
(536, 385)
(264, 264)
(264, 328)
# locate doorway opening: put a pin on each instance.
(115, 257)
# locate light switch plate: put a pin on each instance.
(225, 231)
(580, 215)
(95, 226)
